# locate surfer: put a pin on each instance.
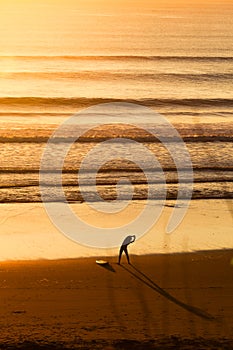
(123, 248)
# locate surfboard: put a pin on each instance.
(101, 262)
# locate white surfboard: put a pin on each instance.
(101, 262)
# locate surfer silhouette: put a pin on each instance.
(128, 240)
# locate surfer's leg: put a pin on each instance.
(120, 253)
(126, 253)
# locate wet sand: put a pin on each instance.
(160, 301)
(26, 231)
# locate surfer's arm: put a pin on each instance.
(133, 238)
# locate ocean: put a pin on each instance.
(178, 61)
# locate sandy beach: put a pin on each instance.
(116, 121)
(160, 301)
(26, 231)
(177, 293)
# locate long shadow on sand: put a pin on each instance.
(108, 267)
(148, 281)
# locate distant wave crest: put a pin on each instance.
(120, 57)
(84, 101)
(99, 74)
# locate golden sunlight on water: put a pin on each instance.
(58, 57)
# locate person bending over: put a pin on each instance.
(123, 248)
